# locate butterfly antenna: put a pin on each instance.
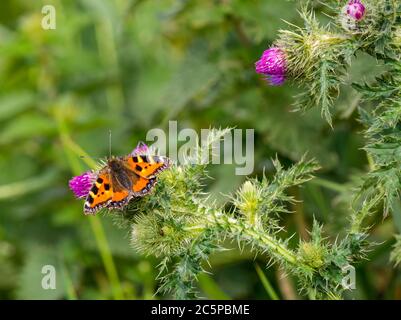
(110, 143)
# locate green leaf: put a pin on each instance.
(211, 288)
(266, 284)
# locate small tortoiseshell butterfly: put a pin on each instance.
(123, 178)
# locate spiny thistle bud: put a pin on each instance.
(273, 65)
(153, 234)
(247, 201)
(312, 254)
(397, 37)
(356, 10)
(81, 185)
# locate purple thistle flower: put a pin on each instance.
(356, 10)
(81, 185)
(272, 64)
(273, 61)
(141, 148)
(276, 79)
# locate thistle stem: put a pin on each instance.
(265, 241)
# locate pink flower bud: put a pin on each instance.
(273, 65)
(141, 148)
(356, 10)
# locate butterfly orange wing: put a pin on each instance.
(144, 169)
(100, 194)
(147, 166)
(143, 186)
(120, 199)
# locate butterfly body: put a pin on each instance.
(123, 178)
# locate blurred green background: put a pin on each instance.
(131, 66)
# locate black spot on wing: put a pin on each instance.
(90, 199)
(99, 180)
(95, 189)
(139, 168)
(106, 186)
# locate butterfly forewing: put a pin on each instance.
(100, 194)
(147, 166)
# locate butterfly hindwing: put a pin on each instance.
(142, 186)
(100, 194)
(147, 166)
(120, 199)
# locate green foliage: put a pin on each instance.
(396, 253)
(131, 66)
(182, 226)
(318, 59)
(383, 135)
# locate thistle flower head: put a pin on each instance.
(155, 235)
(141, 148)
(273, 65)
(356, 10)
(312, 254)
(80, 185)
(276, 80)
(248, 201)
